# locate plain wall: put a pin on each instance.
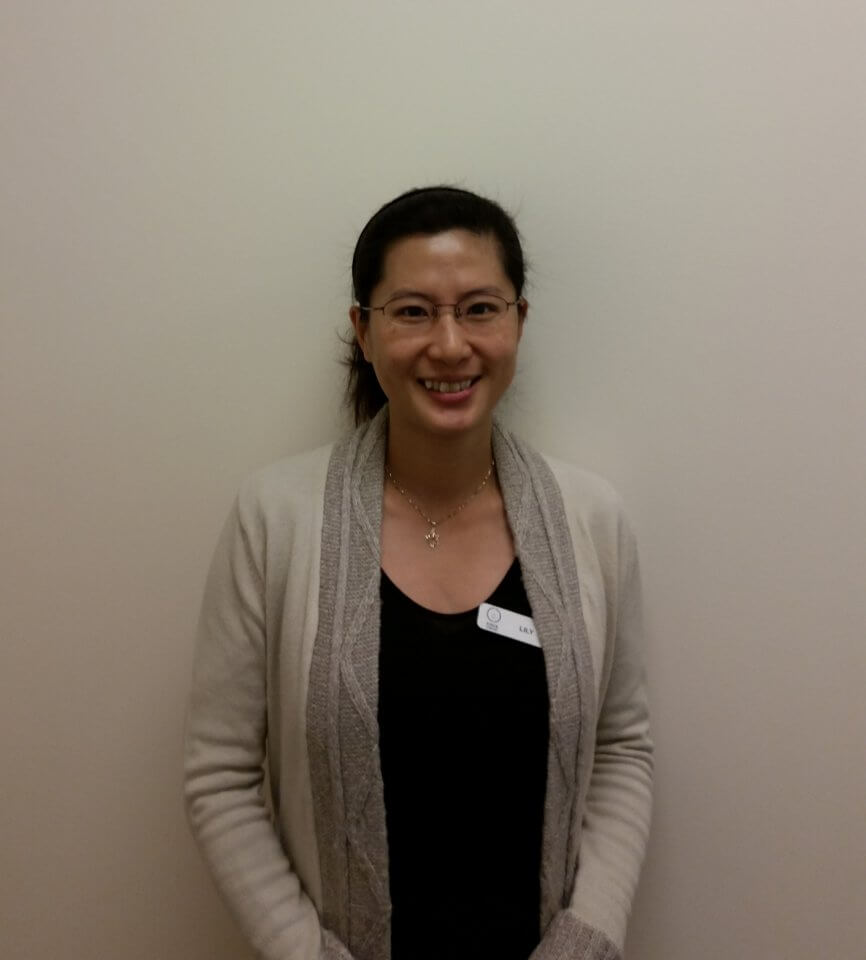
(181, 188)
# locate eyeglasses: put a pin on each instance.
(477, 312)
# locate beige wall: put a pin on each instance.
(181, 186)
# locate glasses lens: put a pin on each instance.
(483, 308)
(409, 311)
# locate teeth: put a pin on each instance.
(445, 386)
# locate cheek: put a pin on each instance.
(505, 348)
(375, 344)
(388, 358)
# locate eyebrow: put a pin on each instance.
(407, 292)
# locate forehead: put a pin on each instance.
(454, 257)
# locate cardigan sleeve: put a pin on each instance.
(616, 814)
(224, 755)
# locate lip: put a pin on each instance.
(449, 399)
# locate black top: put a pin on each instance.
(463, 726)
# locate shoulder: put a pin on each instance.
(286, 487)
(600, 528)
(596, 517)
(584, 490)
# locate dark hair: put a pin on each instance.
(426, 211)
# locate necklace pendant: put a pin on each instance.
(432, 537)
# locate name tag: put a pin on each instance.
(507, 623)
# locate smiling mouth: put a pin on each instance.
(449, 386)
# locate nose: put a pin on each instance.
(448, 339)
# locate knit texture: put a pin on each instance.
(332, 949)
(568, 938)
(286, 676)
(342, 704)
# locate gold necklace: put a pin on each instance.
(432, 535)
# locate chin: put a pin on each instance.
(448, 422)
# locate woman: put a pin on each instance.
(429, 636)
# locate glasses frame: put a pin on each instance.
(438, 306)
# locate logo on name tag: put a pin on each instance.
(507, 623)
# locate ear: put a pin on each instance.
(361, 326)
(522, 311)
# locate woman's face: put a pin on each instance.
(413, 365)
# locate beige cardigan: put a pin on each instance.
(285, 684)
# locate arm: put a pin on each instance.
(616, 815)
(224, 755)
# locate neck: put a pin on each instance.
(439, 470)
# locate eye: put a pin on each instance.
(480, 307)
(409, 311)
(483, 308)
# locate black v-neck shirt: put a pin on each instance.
(463, 726)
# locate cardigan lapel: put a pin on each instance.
(343, 735)
(539, 525)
